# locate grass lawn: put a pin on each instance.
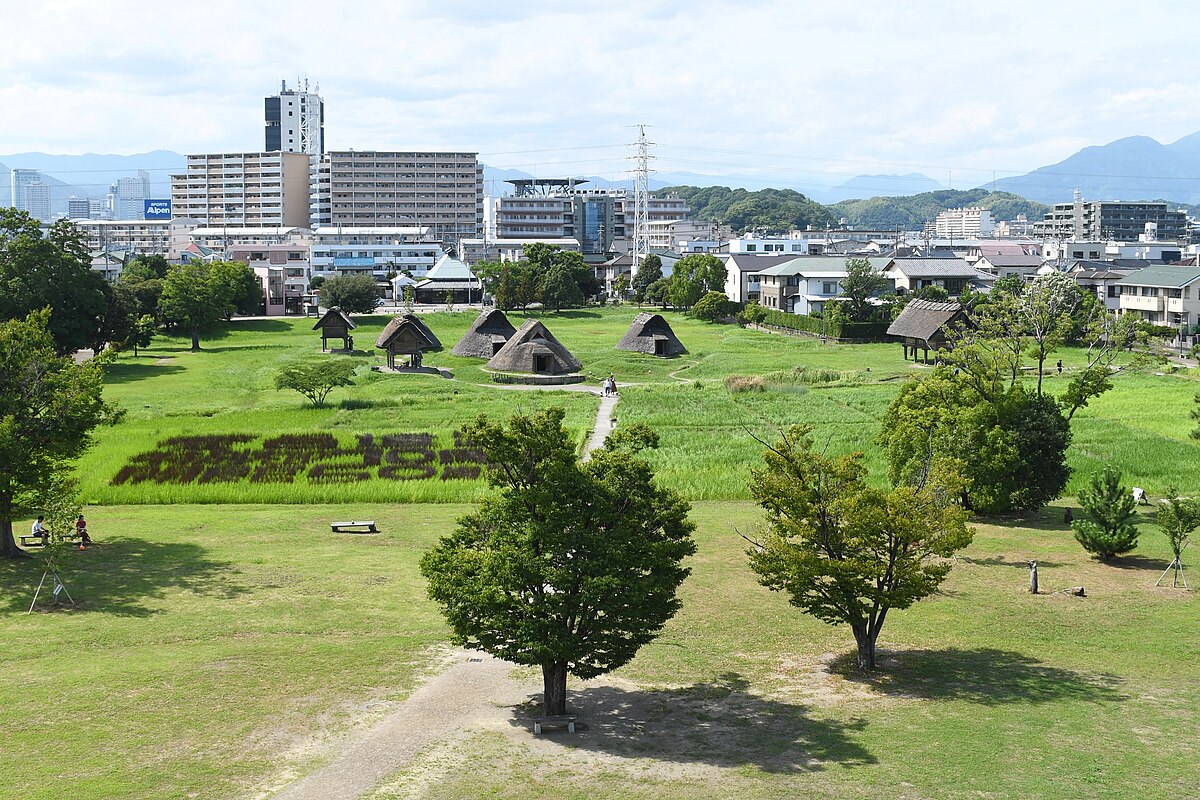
(226, 642)
(218, 651)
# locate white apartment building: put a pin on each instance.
(140, 236)
(964, 223)
(129, 195)
(341, 250)
(246, 190)
(295, 121)
(675, 234)
(30, 193)
(472, 251)
(1163, 295)
(773, 245)
(369, 188)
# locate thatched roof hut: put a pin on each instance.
(407, 335)
(335, 324)
(534, 349)
(922, 325)
(650, 334)
(486, 336)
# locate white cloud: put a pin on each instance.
(814, 92)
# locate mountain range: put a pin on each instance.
(1133, 168)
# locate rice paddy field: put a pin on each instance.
(225, 642)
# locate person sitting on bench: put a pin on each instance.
(39, 529)
(81, 530)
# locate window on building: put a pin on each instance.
(750, 248)
(829, 287)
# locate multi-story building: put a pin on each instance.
(806, 284)
(1163, 295)
(133, 236)
(295, 121)
(30, 193)
(679, 234)
(80, 208)
(774, 245)
(247, 190)
(376, 189)
(283, 270)
(963, 223)
(338, 250)
(1110, 220)
(129, 195)
(222, 239)
(472, 251)
(599, 220)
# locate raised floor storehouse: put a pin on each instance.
(335, 324)
(406, 335)
(922, 325)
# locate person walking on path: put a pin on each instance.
(612, 385)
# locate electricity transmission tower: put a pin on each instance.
(641, 200)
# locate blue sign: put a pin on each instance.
(157, 209)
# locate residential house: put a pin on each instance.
(804, 285)
(954, 275)
(1163, 295)
(742, 274)
(1010, 266)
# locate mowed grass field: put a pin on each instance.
(218, 651)
(226, 642)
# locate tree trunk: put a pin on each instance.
(195, 341)
(554, 682)
(8, 545)
(866, 647)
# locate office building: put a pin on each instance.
(244, 190)
(295, 121)
(340, 250)
(30, 193)
(79, 208)
(129, 195)
(376, 189)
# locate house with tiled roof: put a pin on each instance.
(1163, 295)
(954, 275)
(805, 284)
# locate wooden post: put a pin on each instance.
(1033, 580)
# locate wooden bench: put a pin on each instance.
(367, 526)
(41, 540)
(554, 722)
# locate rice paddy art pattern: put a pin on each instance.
(318, 458)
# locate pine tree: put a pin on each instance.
(1110, 507)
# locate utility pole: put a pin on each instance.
(641, 200)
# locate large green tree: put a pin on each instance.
(570, 566)
(50, 270)
(843, 551)
(316, 379)
(861, 285)
(693, 276)
(48, 408)
(1108, 527)
(649, 272)
(354, 294)
(198, 295)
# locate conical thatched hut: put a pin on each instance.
(406, 335)
(486, 336)
(650, 334)
(534, 349)
(336, 324)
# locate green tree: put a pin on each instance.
(49, 406)
(621, 287)
(140, 334)
(712, 307)
(1046, 308)
(844, 552)
(559, 289)
(246, 288)
(934, 294)
(1108, 530)
(356, 293)
(1177, 517)
(120, 316)
(50, 270)
(861, 284)
(659, 292)
(316, 282)
(316, 379)
(197, 296)
(753, 313)
(570, 566)
(143, 280)
(649, 272)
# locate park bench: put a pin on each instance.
(554, 722)
(41, 540)
(366, 526)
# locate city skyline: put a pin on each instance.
(816, 95)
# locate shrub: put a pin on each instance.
(1108, 531)
(745, 383)
(712, 307)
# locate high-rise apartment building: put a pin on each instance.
(78, 208)
(295, 121)
(30, 193)
(1110, 220)
(367, 188)
(129, 195)
(245, 190)
(963, 223)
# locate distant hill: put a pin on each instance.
(1133, 168)
(911, 213)
(878, 186)
(772, 210)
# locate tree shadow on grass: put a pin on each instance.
(1137, 562)
(259, 325)
(120, 576)
(1002, 561)
(127, 372)
(718, 723)
(987, 676)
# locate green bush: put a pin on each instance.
(833, 328)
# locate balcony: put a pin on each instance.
(1138, 303)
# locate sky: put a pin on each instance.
(797, 92)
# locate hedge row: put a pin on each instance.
(848, 331)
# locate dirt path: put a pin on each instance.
(469, 694)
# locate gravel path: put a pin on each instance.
(473, 693)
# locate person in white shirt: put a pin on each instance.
(39, 529)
